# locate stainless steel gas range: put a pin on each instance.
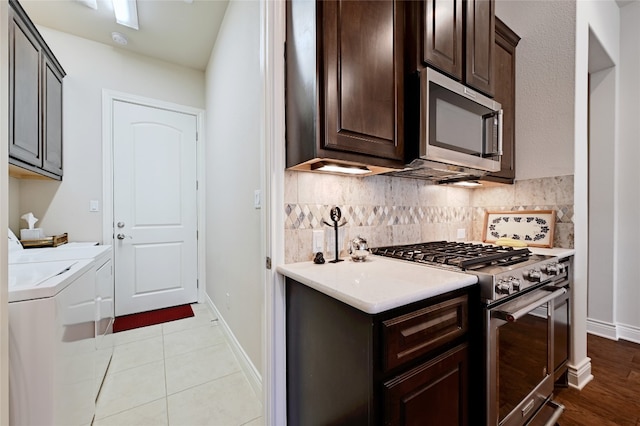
(525, 300)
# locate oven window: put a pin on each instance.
(522, 358)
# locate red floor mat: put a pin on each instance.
(143, 319)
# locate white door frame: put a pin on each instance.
(4, 215)
(272, 22)
(108, 98)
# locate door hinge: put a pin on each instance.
(196, 185)
(197, 136)
(197, 235)
(268, 262)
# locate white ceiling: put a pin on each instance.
(171, 30)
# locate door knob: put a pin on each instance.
(122, 236)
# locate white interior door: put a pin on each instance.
(154, 208)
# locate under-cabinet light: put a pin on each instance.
(468, 183)
(337, 168)
(126, 12)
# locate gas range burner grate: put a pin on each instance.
(466, 256)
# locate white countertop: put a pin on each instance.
(556, 251)
(379, 283)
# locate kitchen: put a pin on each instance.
(543, 97)
(556, 127)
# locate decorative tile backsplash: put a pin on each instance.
(307, 216)
(391, 210)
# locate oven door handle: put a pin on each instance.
(514, 316)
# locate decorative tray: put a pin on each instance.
(533, 227)
(55, 241)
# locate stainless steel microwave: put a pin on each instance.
(458, 126)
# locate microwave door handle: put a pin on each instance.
(500, 132)
(492, 117)
(514, 316)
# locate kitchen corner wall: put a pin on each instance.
(391, 210)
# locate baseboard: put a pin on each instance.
(613, 331)
(629, 332)
(579, 375)
(602, 329)
(252, 374)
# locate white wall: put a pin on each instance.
(91, 67)
(234, 261)
(628, 177)
(544, 85)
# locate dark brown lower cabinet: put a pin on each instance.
(407, 366)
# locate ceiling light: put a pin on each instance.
(338, 168)
(119, 38)
(126, 12)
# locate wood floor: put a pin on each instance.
(613, 396)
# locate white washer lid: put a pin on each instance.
(23, 275)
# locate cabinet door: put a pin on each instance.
(52, 119)
(442, 35)
(505, 93)
(363, 82)
(434, 393)
(480, 26)
(24, 107)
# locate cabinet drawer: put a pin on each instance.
(412, 335)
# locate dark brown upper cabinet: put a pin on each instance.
(35, 101)
(345, 83)
(455, 37)
(504, 68)
(442, 44)
(480, 39)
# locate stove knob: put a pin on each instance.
(561, 268)
(503, 287)
(552, 268)
(515, 283)
(534, 275)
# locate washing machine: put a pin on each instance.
(60, 324)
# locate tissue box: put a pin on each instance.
(31, 234)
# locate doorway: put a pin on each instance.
(601, 193)
(150, 183)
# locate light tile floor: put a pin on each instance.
(177, 373)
